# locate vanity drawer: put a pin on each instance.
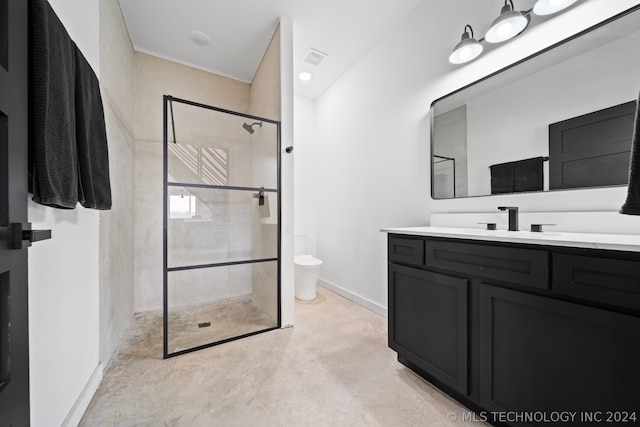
(520, 266)
(406, 250)
(605, 280)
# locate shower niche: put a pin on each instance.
(221, 225)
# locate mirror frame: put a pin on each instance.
(508, 67)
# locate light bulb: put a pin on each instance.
(504, 29)
(465, 52)
(547, 7)
(506, 26)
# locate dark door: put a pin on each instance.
(14, 338)
(592, 150)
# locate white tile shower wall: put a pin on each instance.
(117, 225)
(155, 77)
(198, 286)
(250, 157)
(264, 278)
(116, 237)
(148, 229)
(266, 86)
(306, 173)
(195, 286)
(265, 102)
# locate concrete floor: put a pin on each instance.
(228, 318)
(332, 369)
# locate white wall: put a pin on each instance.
(63, 279)
(373, 138)
(287, 287)
(373, 149)
(305, 174)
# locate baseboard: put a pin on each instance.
(375, 307)
(82, 403)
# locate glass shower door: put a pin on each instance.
(221, 226)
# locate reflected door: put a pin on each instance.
(221, 226)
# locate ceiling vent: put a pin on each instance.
(315, 57)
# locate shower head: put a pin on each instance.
(249, 127)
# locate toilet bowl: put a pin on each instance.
(307, 270)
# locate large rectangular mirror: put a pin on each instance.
(560, 119)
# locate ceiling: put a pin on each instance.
(240, 31)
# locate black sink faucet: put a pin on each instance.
(513, 216)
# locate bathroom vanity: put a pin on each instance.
(521, 327)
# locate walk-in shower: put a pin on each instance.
(221, 225)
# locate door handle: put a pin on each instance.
(23, 235)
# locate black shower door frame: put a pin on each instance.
(167, 104)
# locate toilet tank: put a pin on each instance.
(300, 244)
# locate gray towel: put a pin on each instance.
(52, 151)
(91, 139)
(632, 205)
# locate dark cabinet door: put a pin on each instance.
(428, 323)
(545, 355)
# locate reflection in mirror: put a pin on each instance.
(560, 119)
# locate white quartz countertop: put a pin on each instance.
(618, 242)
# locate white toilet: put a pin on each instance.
(307, 270)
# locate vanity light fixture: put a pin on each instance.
(509, 24)
(467, 50)
(548, 7)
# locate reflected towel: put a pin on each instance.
(518, 176)
(53, 161)
(632, 204)
(501, 178)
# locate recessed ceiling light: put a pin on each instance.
(305, 76)
(199, 38)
